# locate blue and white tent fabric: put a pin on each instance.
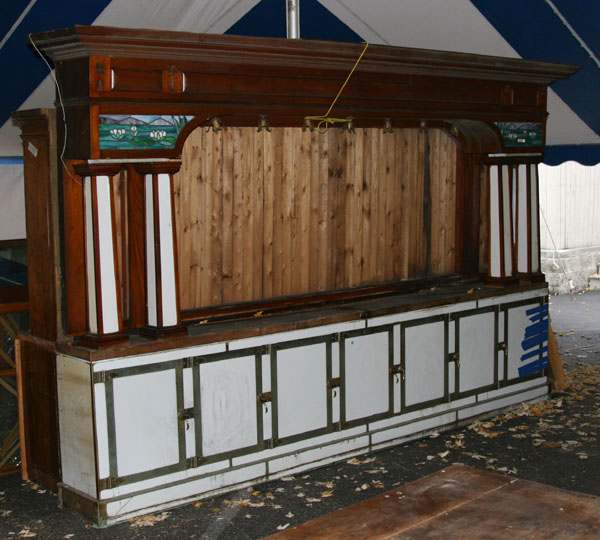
(550, 30)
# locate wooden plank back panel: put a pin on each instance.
(286, 212)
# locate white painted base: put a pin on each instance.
(314, 422)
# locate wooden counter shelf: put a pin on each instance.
(221, 331)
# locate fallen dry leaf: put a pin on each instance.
(149, 520)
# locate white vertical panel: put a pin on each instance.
(167, 254)
(367, 375)
(89, 256)
(146, 423)
(495, 270)
(301, 389)
(228, 404)
(397, 381)
(425, 362)
(535, 248)
(335, 372)
(190, 438)
(150, 255)
(477, 349)
(188, 388)
(266, 372)
(451, 349)
(110, 313)
(506, 220)
(523, 240)
(267, 412)
(101, 429)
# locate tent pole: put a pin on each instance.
(293, 18)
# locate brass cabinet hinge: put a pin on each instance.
(265, 397)
(333, 383)
(110, 483)
(270, 443)
(186, 414)
(397, 369)
(195, 461)
(454, 357)
(102, 376)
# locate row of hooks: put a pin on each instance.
(311, 123)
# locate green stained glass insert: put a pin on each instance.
(521, 134)
(140, 132)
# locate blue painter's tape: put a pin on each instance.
(536, 328)
(535, 341)
(535, 352)
(534, 367)
(543, 309)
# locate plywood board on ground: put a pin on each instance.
(462, 502)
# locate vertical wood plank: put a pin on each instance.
(205, 218)
(350, 209)
(216, 220)
(287, 196)
(335, 209)
(237, 224)
(256, 200)
(247, 230)
(277, 165)
(315, 224)
(303, 211)
(325, 193)
(390, 178)
(404, 218)
(268, 213)
(378, 215)
(227, 220)
(437, 201)
(365, 181)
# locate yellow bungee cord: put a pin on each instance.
(326, 119)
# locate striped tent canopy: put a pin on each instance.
(550, 30)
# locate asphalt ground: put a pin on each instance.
(554, 442)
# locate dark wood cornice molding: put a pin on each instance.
(84, 41)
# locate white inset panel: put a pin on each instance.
(106, 254)
(228, 404)
(101, 430)
(507, 220)
(517, 322)
(146, 422)
(522, 231)
(495, 268)
(425, 362)
(367, 375)
(167, 254)
(89, 256)
(150, 255)
(477, 349)
(301, 389)
(188, 388)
